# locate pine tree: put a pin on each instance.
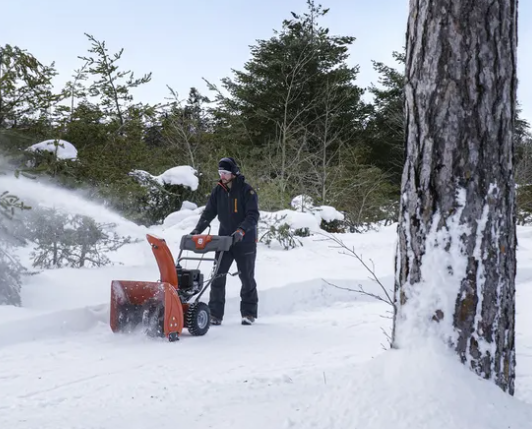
(113, 85)
(456, 260)
(385, 130)
(25, 87)
(296, 100)
(184, 126)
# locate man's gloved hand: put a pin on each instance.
(194, 232)
(238, 235)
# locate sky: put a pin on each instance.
(184, 42)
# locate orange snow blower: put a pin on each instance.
(165, 307)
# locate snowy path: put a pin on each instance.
(94, 379)
(66, 369)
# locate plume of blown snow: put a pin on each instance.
(35, 192)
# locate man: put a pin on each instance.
(235, 203)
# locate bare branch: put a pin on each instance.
(360, 291)
(373, 276)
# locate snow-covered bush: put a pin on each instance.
(330, 219)
(166, 193)
(302, 203)
(304, 220)
(278, 229)
(51, 156)
(61, 239)
(61, 149)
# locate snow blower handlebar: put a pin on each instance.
(204, 244)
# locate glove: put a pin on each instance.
(194, 232)
(238, 235)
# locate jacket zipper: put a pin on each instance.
(229, 191)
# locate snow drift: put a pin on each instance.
(421, 388)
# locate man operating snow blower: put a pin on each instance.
(235, 203)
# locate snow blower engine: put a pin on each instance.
(165, 307)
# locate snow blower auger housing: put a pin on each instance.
(165, 307)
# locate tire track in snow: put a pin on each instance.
(75, 382)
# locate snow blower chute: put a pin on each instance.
(165, 307)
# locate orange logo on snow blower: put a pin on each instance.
(201, 241)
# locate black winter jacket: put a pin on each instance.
(236, 207)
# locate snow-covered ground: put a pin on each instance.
(314, 359)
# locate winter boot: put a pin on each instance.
(248, 320)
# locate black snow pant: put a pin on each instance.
(244, 253)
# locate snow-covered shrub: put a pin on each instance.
(330, 219)
(277, 229)
(54, 154)
(53, 157)
(60, 149)
(65, 240)
(166, 193)
(285, 225)
(302, 203)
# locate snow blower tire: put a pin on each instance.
(198, 319)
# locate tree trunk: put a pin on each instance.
(456, 262)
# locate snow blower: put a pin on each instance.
(165, 307)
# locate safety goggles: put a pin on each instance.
(224, 173)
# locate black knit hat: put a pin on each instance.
(229, 164)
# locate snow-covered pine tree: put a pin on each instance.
(456, 255)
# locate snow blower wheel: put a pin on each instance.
(198, 319)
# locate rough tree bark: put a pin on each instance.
(456, 261)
